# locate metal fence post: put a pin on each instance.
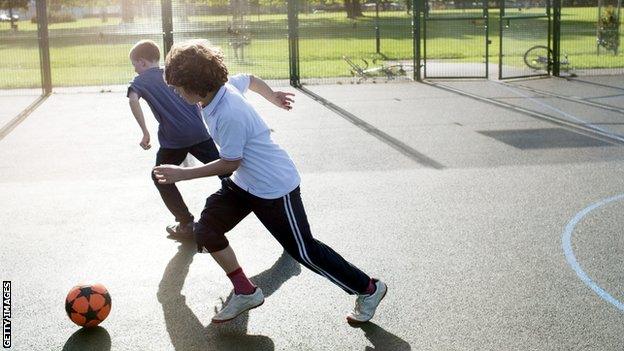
(44, 46)
(167, 25)
(501, 31)
(377, 35)
(416, 37)
(556, 48)
(293, 42)
(486, 17)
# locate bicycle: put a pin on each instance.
(539, 58)
(390, 71)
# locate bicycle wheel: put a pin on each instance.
(538, 57)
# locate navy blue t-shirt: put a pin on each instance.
(180, 124)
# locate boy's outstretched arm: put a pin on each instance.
(135, 106)
(167, 174)
(280, 99)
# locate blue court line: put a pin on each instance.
(566, 243)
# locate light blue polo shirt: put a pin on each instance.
(266, 170)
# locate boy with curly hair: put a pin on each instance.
(181, 130)
(264, 181)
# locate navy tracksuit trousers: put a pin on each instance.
(206, 152)
(286, 219)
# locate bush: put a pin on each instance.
(608, 33)
(57, 17)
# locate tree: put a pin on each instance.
(608, 33)
(57, 5)
(60, 10)
(13, 4)
(353, 8)
(218, 3)
(127, 11)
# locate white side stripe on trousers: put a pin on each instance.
(301, 245)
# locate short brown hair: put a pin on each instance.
(145, 49)
(196, 66)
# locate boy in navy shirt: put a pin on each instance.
(264, 181)
(181, 129)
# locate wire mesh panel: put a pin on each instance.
(19, 48)
(252, 34)
(455, 39)
(89, 45)
(525, 39)
(375, 45)
(20, 70)
(591, 36)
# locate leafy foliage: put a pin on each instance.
(608, 30)
(14, 4)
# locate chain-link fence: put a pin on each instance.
(19, 57)
(377, 45)
(368, 41)
(20, 64)
(591, 34)
(455, 39)
(90, 45)
(254, 38)
(524, 39)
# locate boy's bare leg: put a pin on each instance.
(226, 258)
(246, 295)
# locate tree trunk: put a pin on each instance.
(13, 25)
(127, 11)
(349, 8)
(353, 9)
(357, 8)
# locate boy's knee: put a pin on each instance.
(209, 239)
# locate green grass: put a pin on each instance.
(89, 52)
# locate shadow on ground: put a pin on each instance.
(188, 333)
(381, 339)
(94, 339)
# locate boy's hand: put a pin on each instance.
(283, 100)
(169, 174)
(145, 142)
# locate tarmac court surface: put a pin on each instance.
(491, 209)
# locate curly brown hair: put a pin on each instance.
(196, 66)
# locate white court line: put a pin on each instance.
(566, 238)
(563, 113)
(566, 243)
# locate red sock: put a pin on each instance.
(242, 285)
(370, 289)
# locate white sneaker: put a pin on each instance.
(239, 304)
(365, 305)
